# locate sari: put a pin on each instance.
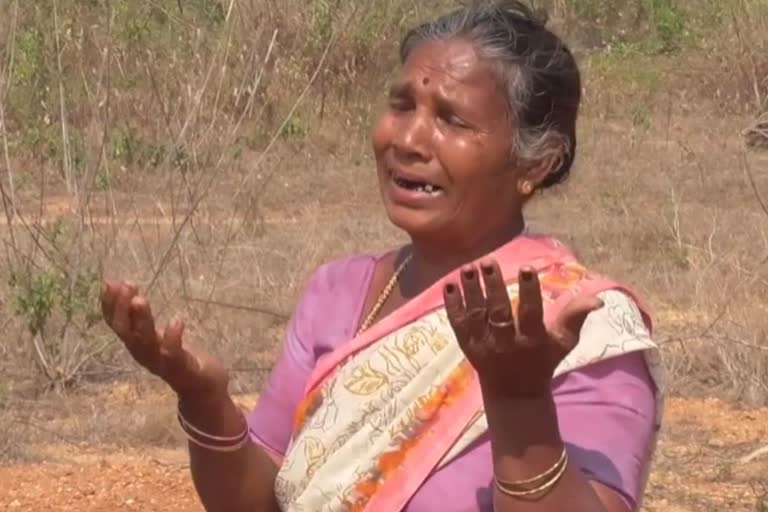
(400, 400)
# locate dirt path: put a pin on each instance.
(697, 469)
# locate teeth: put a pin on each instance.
(427, 188)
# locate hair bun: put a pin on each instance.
(522, 11)
(541, 16)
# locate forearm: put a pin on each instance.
(233, 482)
(526, 442)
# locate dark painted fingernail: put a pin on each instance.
(469, 273)
(487, 269)
(526, 275)
(450, 288)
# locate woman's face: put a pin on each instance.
(443, 144)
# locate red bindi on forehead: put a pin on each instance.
(451, 63)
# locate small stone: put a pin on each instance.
(716, 443)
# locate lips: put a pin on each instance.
(415, 183)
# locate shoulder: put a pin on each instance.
(620, 320)
(328, 310)
(338, 283)
(340, 273)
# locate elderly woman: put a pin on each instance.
(480, 367)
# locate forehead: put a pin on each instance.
(453, 65)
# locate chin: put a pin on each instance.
(418, 224)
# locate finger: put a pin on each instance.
(569, 323)
(530, 314)
(142, 321)
(178, 361)
(173, 335)
(108, 298)
(473, 290)
(474, 300)
(498, 303)
(121, 318)
(454, 307)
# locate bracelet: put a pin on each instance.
(219, 448)
(550, 478)
(543, 476)
(212, 442)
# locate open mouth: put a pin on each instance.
(417, 186)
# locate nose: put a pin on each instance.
(411, 143)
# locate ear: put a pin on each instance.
(531, 178)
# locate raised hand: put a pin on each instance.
(187, 371)
(514, 354)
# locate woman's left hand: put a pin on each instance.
(514, 354)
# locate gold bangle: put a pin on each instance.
(543, 476)
(544, 488)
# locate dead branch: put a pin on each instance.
(754, 455)
(756, 134)
(282, 315)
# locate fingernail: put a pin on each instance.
(487, 269)
(526, 274)
(450, 288)
(469, 273)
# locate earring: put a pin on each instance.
(525, 188)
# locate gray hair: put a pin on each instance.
(536, 69)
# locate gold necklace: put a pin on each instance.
(385, 293)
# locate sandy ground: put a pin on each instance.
(698, 468)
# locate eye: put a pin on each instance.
(453, 120)
(400, 103)
(400, 99)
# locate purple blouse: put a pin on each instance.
(606, 411)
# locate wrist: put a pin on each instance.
(213, 422)
(529, 394)
(206, 398)
(208, 409)
(541, 407)
(517, 424)
(206, 392)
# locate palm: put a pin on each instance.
(185, 369)
(512, 352)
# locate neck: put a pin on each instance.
(431, 260)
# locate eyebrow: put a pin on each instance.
(400, 89)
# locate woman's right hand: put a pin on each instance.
(189, 372)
